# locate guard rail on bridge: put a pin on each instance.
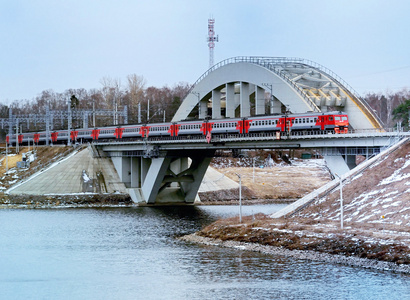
(254, 137)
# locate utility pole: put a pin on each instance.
(94, 112)
(47, 125)
(268, 85)
(10, 124)
(139, 112)
(240, 197)
(17, 136)
(69, 123)
(148, 111)
(7, 158)
(341, 199)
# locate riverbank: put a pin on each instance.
(63, 201)
(376, 214)
(300, 254)
(382, 249)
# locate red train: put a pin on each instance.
(336, 122)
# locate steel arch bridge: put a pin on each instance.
(236, 87)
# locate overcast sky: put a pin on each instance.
(49, 44)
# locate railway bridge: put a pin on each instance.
(171, 170)
(164, 171)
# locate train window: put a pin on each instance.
(337, 118)
(311, 120)
(344, 118)
(330, 118)
(315, 120)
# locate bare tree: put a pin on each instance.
(135, 94)
(112, 94)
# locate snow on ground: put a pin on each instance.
(379, 195)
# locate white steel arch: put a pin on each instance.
(239, 84)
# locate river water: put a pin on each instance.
(133, 253)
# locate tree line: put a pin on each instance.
(391, 107)
(154, 103)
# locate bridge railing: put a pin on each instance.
(261, 136)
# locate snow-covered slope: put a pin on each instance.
(380, 194)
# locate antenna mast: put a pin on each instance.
(211, 40)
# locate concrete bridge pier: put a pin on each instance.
(336, 164)
(170, 178)
(340, 164)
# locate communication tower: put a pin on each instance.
(211, 40)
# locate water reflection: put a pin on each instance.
(131, 253)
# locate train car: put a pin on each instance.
(336, 122)
(301, 122)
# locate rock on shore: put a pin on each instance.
(300, 254)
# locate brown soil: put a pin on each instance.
(303, 234)
(280, 182)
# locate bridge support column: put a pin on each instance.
(230, 100)
(216, 104)
(153, 180)
(135, 172)
(244, 100)
(351, 161)
(336, 164)
(203, 109)
(123, 167)
(197, 170)
(259, 101)
(276, 106)
(169, 179)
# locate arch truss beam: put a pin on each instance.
(246, 86)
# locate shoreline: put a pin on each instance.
(300, 254)
(80, 200)
(107, 199)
